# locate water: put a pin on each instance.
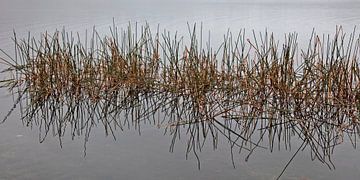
(147, 156)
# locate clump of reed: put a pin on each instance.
(60, 66)
(247, 85)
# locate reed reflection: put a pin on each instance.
(250, 91)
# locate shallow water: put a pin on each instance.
(147, 156)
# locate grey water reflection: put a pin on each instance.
(146, 156)
(66, 90)
(194, 130)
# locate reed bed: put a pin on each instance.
(247, 90)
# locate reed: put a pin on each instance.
(248, 85)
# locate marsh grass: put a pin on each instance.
(254, 91)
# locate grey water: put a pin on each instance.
(146, 155)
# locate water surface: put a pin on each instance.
(147, 156)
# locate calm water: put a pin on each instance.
(147, 156)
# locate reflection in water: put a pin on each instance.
(252, 91)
